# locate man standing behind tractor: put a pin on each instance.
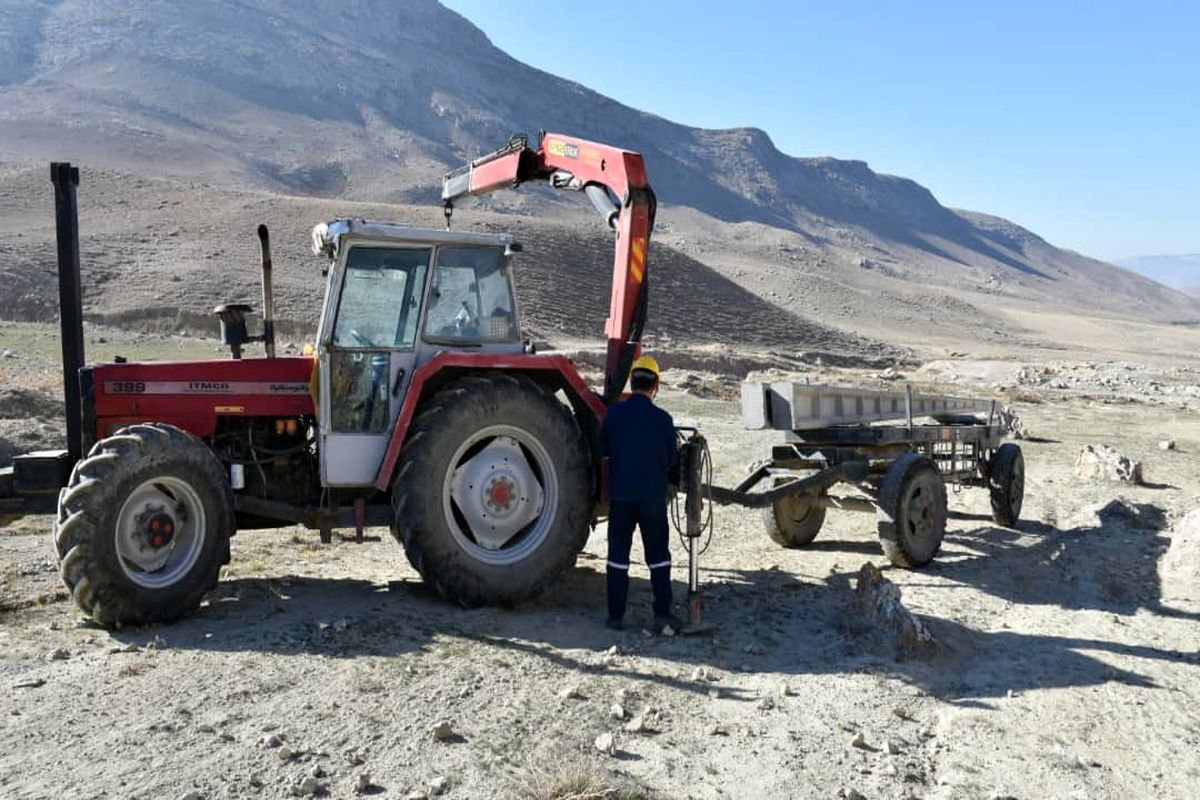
(639, 442)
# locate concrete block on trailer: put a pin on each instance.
(790, 406)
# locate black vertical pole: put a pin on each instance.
(70, 298)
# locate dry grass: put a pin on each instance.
(578, 781)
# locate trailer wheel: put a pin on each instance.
(1006, 482)
(912, 511)
(143, 526)
(793, 521)
(493, 496)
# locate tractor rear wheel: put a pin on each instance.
(143, 526)
(912, 511)
(493, 496)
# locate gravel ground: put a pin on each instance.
(1062, 667)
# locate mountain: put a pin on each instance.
(1180, 271)
(372, 100)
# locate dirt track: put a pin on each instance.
(1064, 671)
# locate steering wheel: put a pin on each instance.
(364, 341)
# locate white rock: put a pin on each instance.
(307, 787)
(443, 732)
(785, 690)
(637, 724)
(59, 655)
(192, 795)
(570, 693)
(766, 704)
(362, 783)
(617, 711)
(858, 740)
(1166, 444)
(438, 786)
(285, 753)
(605, 743)
(716, 729)
(272, 741)
(317, 771)
(416, 794)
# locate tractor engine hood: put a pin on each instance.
(192, 395)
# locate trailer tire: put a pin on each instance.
(912, 511)
(793, 521)
(143, 526)
(1006, 484)
(510, 434)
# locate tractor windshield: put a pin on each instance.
(381, 298)
(471, 298)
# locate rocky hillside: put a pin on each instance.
(373, 100)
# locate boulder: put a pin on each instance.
(1099, 462)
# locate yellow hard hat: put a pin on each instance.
(647, 363)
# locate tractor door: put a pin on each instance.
(367, 356)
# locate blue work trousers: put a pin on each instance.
(651, 517)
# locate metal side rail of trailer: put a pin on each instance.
(890, 453)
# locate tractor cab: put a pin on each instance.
(396, 297)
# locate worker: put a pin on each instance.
(639, 442)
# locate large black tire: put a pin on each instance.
(440, 545)
(1006, 484)
(912, 511)
(793, 521)
(171, 476)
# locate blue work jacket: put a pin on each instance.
(639, 441)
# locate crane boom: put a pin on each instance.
(615, 181)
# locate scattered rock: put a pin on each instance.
(570, 693)
(617, 711)
(29, 683)
(272, 741)
(444, 732)
(877, 601)
(859, 741)
(700, 673)
(353, 758)
(892, 747)
(438, 786)
(59, 655)
(766, 704)
(1166, 444)
(605, 743)
(637, 724)
(1179, 568)
(785, 690)
(716, 729)
(362, 783)
(285, 753)
(192, 795)
(1103, 463)
(317, 771)
(1011, 422)
(416, 794)
(853, 794)
(307, 787)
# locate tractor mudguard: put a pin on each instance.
(555, 370)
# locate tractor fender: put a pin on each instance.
(553, 371)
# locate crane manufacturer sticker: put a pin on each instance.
(206, 387)
(564, 149)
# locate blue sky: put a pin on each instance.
(1080, 121)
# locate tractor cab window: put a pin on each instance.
(471, 299)
(381, 298)
(378, 312)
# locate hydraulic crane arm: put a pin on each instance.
(615, 181)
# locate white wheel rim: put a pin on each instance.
(500, 494)
(150, 554)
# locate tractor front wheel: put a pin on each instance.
(493, 496)
(143, 526)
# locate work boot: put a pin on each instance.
(669, 625)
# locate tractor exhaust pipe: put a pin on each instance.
(70, 298)
(268, 299)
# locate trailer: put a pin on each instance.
(887, 453)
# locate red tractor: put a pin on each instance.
(422, 410)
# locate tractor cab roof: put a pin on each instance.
(328, 236)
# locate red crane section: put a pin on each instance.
(615, 181)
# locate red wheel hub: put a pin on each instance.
(160, 530)
(500, 494)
